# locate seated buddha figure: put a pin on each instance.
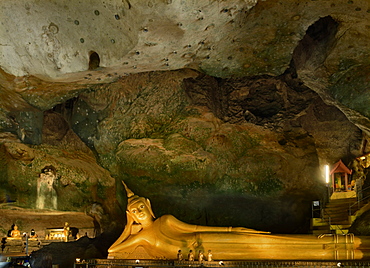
(33, 235)
(15, 233)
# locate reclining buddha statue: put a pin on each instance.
(146, 237)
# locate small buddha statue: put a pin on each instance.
(179, 255)
(33, 235)
(201, 256)
(66, 231)
(15, 233)
(209, 255)
(191, 256)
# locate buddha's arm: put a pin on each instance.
(199, 228)
(125, 234)
(230, 229)
(129, 244)
(132, 242)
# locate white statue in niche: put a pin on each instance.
(46, 194)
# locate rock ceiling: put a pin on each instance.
(59, 41)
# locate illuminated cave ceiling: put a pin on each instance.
(53, 40)
(89, 62)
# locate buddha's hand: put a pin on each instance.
(135, 229)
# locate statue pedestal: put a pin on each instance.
(14, 245)
(139, 254)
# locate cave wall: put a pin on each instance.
(201, 143)
(252, 147)
(79, 181)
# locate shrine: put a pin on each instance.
(339, 177)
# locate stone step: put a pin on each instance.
(337, 221)
(338, 228)
(337, 213)
(341, 223)
(335, 216)
(325, 227)
(343, 201)
(338, 208)
(339, 204)
(325, 222)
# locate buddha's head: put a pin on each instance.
(139, 208)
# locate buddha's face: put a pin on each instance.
(140, 212)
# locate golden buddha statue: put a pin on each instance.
(201, 256)
(66, 232)
(180, 256)
(209, 255)
(15, 233)
(146, 237)
(191, 256)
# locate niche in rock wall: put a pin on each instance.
(46, 194)
(28, 126)
(94, 60)
(318, 40)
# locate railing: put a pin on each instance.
(323, 213)
(359, 201)
(351, 208)
(99, 263)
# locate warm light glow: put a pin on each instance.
(78, 259)
(327, 173)
(221, 263)
(137, 261)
